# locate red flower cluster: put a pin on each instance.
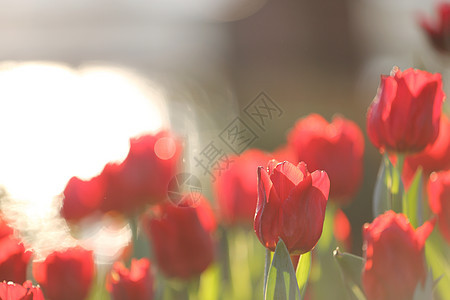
(291, 206)
(13, 257)
(439, 199)
(66, 275)
(405, 114)
(335, 147)
(181, 237)
(12, 291)
(236, 188)
(395, 258)
(142, 178)
(135, 283)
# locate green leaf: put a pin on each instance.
(439, 263)
(303, 270)
(412, 201)
(282, 283)
(351, 267)
(389, 189)
(380, 202)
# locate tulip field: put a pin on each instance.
(274, 226)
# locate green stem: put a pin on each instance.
(397, 186)
(266, 270)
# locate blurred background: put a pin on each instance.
(77, 78)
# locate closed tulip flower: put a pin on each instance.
(141, 179)
(13, 291)
(236, 188)
(66, 275)
(336, 147)
(291, 206)
(395, 257)
(181, 238)
(13, 259)
(405, 114)
(434, 158)
(135, 283)
(439, 199)
(438, 30)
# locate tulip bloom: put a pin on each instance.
(439, 199)
(13, 260)
(236, 188)
(395, 257)
(438, 31)
(181, 238)
(12, 291)
(291, 206)
(66, 275)
(405, 114)
(142, 178)
(336, 147)
(136, 283)
(434, 158)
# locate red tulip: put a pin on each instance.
(136, 283)
(435, 157)
(142, 178)
(82, 197)
(144, 175)
(438, 31)
(335, 147)
(181, 238)
(66, 275)
(439, 199)
(13, 259)
(12, 291)
(291, 206)
(342, 229)
(395, 258)
(405, 114)
(236, 188)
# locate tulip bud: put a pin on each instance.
(438, 31)
(66, 275)
(336, 147)
(405, 114)
(236, 188)
(291, 206)
(181, 238)
(13, 259)
(395, 257)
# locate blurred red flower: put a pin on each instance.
(236, 188)
(66, 275)
(435, 157)
(342, 230)
(142, 178)
(291, 206)
(12, 291)
(181, 238)
(395, 257)
(336, 147)
(135, 283)
(438, 30)
(13, 259)
(439, 200)
(405, 114)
